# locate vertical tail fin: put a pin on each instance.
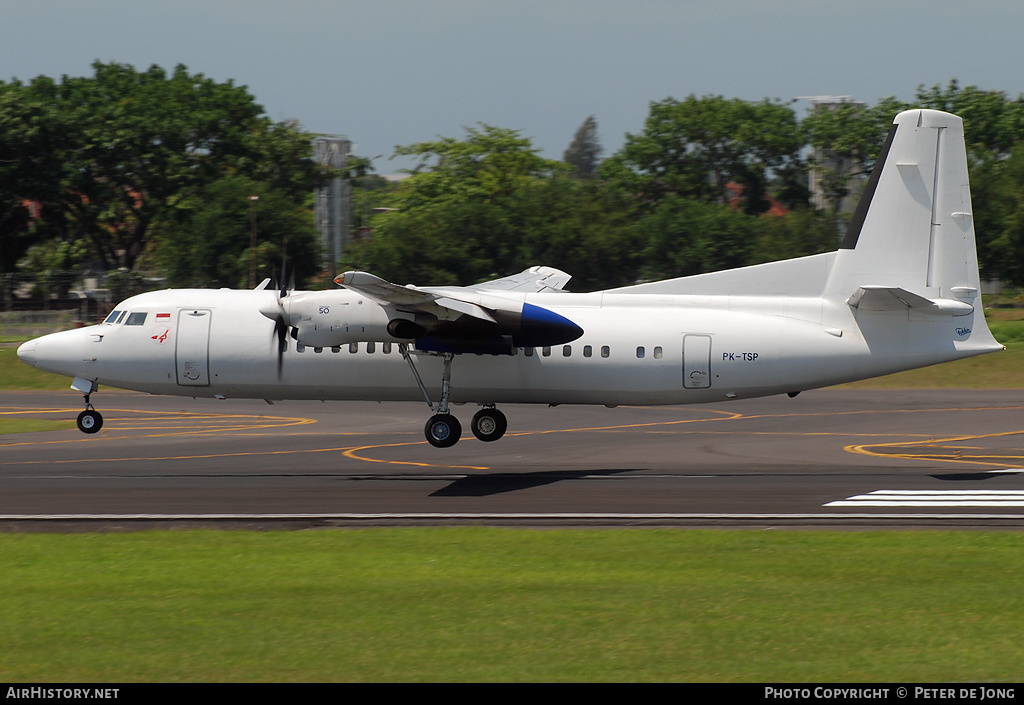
(910, 244)
(913, 227)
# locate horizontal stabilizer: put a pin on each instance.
(893, 298)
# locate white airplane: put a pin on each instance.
(901, 292)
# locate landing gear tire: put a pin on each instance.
(489, 424)
(90, 421)
(443, 430)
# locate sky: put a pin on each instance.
(395, 72)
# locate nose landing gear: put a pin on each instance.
(90, 420)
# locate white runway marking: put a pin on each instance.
(558, 517)
(934, 498)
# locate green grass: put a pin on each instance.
(29, 425)
(475, 604)
(997, 370)
(15, 374)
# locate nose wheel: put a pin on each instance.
(90, 420)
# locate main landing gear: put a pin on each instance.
(90, 420)
(443, 430)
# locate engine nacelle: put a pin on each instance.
(323, 319)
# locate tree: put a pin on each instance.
(993, 123)
(487, 206)
(845, 139)
(207, 240)
(115, 154)
(997, 197)
(453, 224)
(696, 147)
(685, 236)
(29, 134)
(584, 151)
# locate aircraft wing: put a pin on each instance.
(410, 298)
(448, 303)
(534, 279)
(492, 317)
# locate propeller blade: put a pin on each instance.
(280, 332)
(277, 312)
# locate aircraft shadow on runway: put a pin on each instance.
(965, 476)
(484, 485)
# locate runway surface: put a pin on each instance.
(830, 458)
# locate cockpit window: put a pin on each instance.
(136, 319)
(123, 314)
(112, 318)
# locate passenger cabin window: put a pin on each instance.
(353, 347)
(566, 351)
(605, 351)
(112, 318)
(385, 348)
(545, 351)
(528, 352)
(136, 319)
(640, 353)
(588, 351)
(658, 353)
(371, 347)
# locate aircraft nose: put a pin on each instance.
(62, 353)
(27, 352)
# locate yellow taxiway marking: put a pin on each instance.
(913, 446)
(952, 454)
(170, 423)
(354, 452)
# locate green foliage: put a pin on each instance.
(1000, 215)
(585, 150)
(694, 148)
(800, 232)
(684, 236)
(113, 157)
(845, 141)
(155, 169)
(207, 240)
(993, 123)
(487, 206)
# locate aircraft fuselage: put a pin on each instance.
(635, 349)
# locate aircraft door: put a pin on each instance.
(192, 353)
(696, 361)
